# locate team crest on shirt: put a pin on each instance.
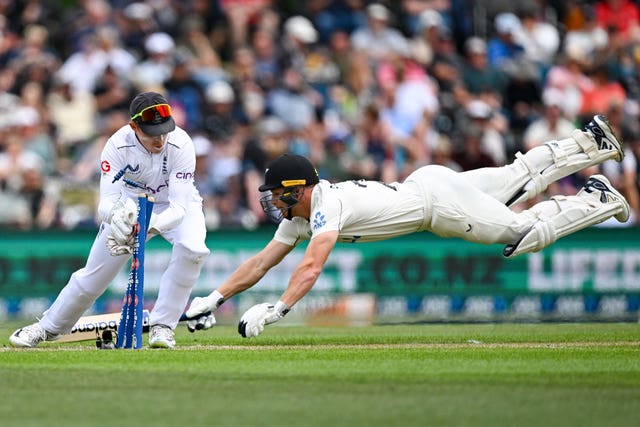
(318, 220)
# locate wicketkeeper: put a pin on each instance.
(152, 155)
(472, 205)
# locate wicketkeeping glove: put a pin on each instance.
(123, 218)
(253, 321)
(116, 250)
(200, 312)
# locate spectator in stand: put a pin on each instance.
(620, 16)
(249, 88)
(569, 76)
(376, 137)
(478, 75)
(507, 53)
(505, 46)
(481, 116)
(343, 161)
(341, 52)
(27, 197)
(410, 101)
(469, 153)
(295, 103)
(185, 93)
(32, 49)
(204, 62)
(360, 79)
(73, 115)
(154, 71)
(297, 40)
(266, 59)
(329, 16)
(540, 39)
(89, 61)
(378, 39)
(267, 144)
(552, 124)
(118, 58)
(427, 35)
(31, 127)
(443, 152)
(32, 59)
(602, 94)
(240, 15)
(220, 122)
(203, 180)
(413, 14)
(590, 37)
(624, 175)
(446, 68)
(136, 23)
(112, 92)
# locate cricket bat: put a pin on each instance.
(91, 327)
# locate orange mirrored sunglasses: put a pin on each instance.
(148, 115)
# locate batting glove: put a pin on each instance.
(116, 250)
(254, 320)
(123, 218)
(200, 313)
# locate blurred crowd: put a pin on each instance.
(364, 89)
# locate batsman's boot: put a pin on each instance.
(601, 131)
(161, 336)
(30, 336)
(596, 202)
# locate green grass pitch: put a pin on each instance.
(398, 375)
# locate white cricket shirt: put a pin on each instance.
(129, 169)
(362, 211)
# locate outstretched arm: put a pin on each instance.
(307, 272)
(304, 277)
(254, 269)
(245, 276)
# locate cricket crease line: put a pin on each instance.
(472, 344)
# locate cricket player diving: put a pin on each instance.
(148, 155)
(472, 205)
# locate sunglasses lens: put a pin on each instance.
(157, 112)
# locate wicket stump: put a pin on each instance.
(131, 318)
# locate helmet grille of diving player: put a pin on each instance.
(292, 173)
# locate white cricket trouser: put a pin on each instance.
(459, 208)
(88, 283)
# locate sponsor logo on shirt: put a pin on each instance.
(184, 175)
(318, 220)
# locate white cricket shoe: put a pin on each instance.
(161, 336)
(608, 194)
(604, 135)
(30, 336)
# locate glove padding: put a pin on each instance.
(253, 321)
(200, 313)
(123, 219)
(116, 250)
(201, 322)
